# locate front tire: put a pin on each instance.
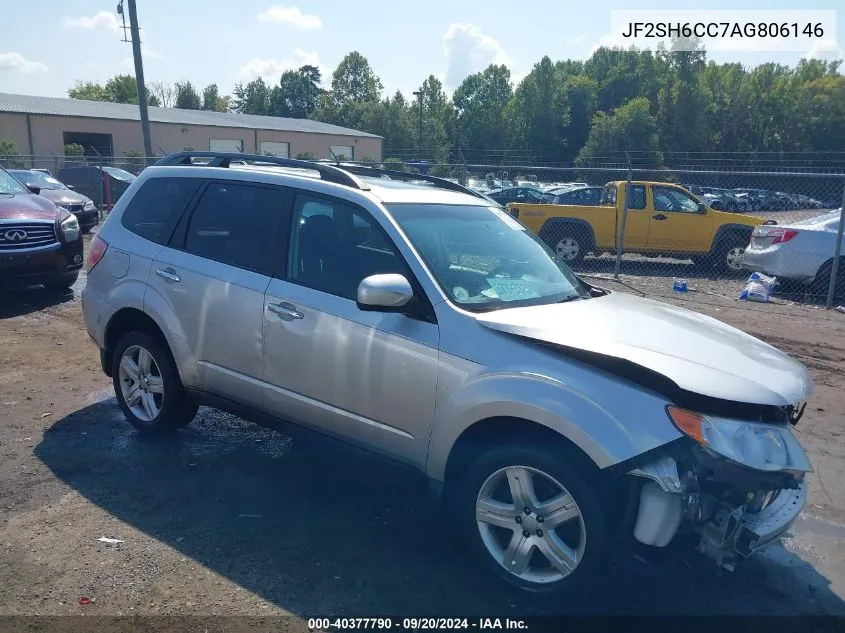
(148, 387)
(534, 517)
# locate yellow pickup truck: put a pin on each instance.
(663, 220)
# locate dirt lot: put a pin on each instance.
(231, 518)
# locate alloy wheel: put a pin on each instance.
(530, 524)
(141, 383)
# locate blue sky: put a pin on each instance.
(43, 51)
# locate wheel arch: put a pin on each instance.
(730, 231)
(492, 430)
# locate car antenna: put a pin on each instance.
(336, 159)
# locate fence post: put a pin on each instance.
(834, 268)
(620, 238)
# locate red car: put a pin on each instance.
(39, 242)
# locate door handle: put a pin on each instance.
(286, 311)
(660, 216)
(168, 274)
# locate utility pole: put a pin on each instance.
(419, 93)
(139, 72)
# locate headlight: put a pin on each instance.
(89, 206)
(70, 228)
(756, 445)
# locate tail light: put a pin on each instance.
(96, 251)
(782, 235)
(778, 236)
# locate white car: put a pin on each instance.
(802, 251)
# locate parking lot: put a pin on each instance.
(232, 518)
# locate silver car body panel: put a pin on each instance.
(367, 376)
(218, 310)
(697, 352)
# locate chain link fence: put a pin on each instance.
(660, 230)
(103, 179)
(669, 230)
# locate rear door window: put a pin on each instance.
(154, 210)
(236, 224)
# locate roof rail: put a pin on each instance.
(366, 170)
(328, 173)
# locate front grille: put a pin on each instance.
(74, 208)
(16, 236)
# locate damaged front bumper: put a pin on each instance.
(732, 521)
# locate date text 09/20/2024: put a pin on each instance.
(415, 624)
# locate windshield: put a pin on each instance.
(119, 174)
(37, 178)
(483, 259)
(9, 185)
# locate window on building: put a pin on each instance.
(273, 148)
(342, 152)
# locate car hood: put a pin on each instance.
(696, 352)
(28, 207)
(63, 196)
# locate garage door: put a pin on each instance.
(225, 145)
(273, 148)
(341, 151)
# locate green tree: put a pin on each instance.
(187, 98)
(539, 114)
(134, 160)
(481, 106)
(252, 98)
(211, 99)
(628, 127)
(10, 156)
(118, 89)
(354, 81)
(298, 93)
(74, 149)
(88, 91)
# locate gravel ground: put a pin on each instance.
(230, 518)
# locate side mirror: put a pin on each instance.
(702, 209)
(71, 187)
(384, 293)
(34, 189)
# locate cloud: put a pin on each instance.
(607, 41)
(469, 50)
(147, 54)
(271, 69)
(578, 39)
(827, 50)
(291, 15)
(100, 20)
(16, 61)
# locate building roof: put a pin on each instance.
(54, 106)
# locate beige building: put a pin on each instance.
(42, 126)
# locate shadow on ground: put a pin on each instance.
(320, 528)
(23, 301)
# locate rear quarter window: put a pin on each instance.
(156, 207)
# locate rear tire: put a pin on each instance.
(147, 385)
(821, 284)
(558, 534)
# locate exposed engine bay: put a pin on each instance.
(734, 510)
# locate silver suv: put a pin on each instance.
(426, 324)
